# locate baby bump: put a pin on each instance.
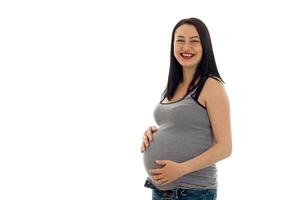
(169, 146)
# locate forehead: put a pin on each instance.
(186, 30)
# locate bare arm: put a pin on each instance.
(218, 108)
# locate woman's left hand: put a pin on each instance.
(168, 173)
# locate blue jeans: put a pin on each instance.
(181, 194)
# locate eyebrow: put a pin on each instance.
(190, 37)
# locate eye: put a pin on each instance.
(195, 41)
(179, 40)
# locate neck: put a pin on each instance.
(188, 75)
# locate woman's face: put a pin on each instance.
(187, 46)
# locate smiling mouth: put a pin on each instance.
(187, 55)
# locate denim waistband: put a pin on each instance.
(172, 194)
(148, 184)
(178, 193)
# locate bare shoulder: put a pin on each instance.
(218, 110)
(213, 83)
(215, 92)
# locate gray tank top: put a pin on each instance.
(184, 132)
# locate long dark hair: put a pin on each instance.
(206, 68)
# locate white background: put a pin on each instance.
(79, 81)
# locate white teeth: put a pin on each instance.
(188, 55)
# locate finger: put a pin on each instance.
(142, 148)
(155, 171)
(145, 133)
(162, 181)
(149, 135)
(145, 140)
(153, 128)
(162, 162)
(158, 177)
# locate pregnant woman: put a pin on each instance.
(193, 116)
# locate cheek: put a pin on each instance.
(176, 49)
(177, 57)
(176, 53)
(199, 57)
(198, 48)
(199, 52)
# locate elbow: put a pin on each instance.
(225, 150)
(228, 151)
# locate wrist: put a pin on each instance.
(186, 168)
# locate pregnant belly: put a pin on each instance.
(170, 146)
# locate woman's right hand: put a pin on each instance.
(147, 137)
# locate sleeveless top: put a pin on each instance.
(184, 132)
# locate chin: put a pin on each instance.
(188, 66)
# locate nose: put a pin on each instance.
(186, 46)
